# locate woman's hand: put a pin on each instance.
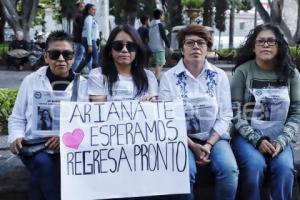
(90, 49)
(202, 153)
(266, 147)
(278, 149)
(148, 98)
(16, 145)
(53, 143)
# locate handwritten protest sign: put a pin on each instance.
(123, 149)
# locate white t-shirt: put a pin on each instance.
(123, 88)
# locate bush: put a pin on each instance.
(192, 3)
(226, 53)
(7, 100)
(294, 52)
(3, 50)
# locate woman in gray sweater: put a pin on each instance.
(266, 104)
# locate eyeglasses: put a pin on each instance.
(191, 43)
(269, 41)
(54, 54)
(119, 46)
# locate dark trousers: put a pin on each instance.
(94, 54)
(44, 181)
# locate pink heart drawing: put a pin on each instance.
(74, 139)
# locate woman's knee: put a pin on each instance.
(45, 161)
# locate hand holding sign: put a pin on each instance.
(74, 139)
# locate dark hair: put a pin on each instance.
(58, 35)
(79, 3)
(86, 9)
(194, 29)
(137, 69)
(157, 13)
(143, 19)
(42, 112)
(284, 67)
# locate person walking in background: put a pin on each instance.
(122, 75)
(157, 41)
(90, 34)
(144, 34)
(265, 76)
(77, 34)
(205, 91)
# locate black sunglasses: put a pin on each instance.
(119, 46)
(54, 54)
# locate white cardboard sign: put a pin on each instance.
(123, 149)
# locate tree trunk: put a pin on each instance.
(276, 11)
(231, 25)
(262, 12)
(208, 13)
(275, 18)
(21, 22)
(2, 23)
(130, 18)
(297, 33)
(11, 14)
(173, 6)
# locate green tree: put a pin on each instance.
(174, 8)
(68, 9)
(220, 16)
(124, 11)
(236, 6)
(208, 12)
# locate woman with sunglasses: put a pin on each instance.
(122, 75)
(44, 166)
(205, 91)
(90, 34)
(266, 103)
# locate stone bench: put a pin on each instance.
(13, 176)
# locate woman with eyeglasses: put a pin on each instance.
(266, 104)
(205, 91)
(122, 75)
(44, 166)
(90, 34)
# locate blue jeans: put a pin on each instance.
(44, 181)
(224, 167)
(94, 53)
(255, 167)
(79, 53)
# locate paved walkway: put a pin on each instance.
(13, 78)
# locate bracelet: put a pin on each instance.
(209, 144)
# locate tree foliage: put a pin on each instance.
(208, 12)
(220, 16)
(173, 17)
(124, 11)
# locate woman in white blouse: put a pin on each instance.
(122, 75)
(205, 91)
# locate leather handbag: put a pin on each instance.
(32, 146)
